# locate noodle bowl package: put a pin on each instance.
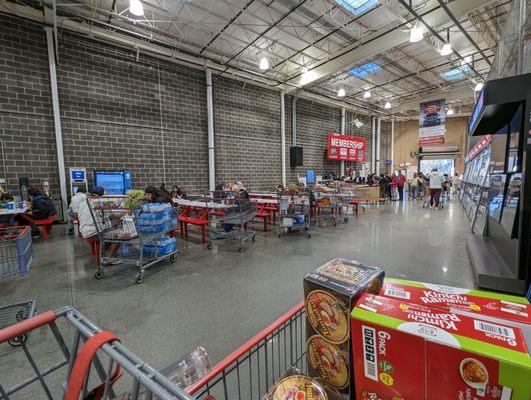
(409, 351)
(330, 294)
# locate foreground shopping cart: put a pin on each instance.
(16, 252)
(247, 373)
(251, 370)
(69, 338)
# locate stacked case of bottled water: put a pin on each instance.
(164, 244)
(155, 218)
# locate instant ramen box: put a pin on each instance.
(409, 351)
(330, 294)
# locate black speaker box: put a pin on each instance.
(295, 156)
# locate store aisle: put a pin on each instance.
(221, 298)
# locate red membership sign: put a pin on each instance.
(344, 147)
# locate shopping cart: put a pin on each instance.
(251, 370)
(16, 312)
(93, 358)
(133, 233)
(228, 217)
(294, 211)
(327, 207)
(16, 252)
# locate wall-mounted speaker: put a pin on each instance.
(295, 156)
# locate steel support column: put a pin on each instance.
(210, 127)
(342, 166)
(378, 142)
(57, 119)
(283, 135)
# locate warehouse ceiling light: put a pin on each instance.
(358, 123)
(264, 64)
(367, 94)
(416, 34)
(447, 47)
(450, 111)
(136, 7)
(478, 87)
(307, 77)
(341, 93)
(304, 70)
(387, 105)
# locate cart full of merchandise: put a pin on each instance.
(133, 233)
(294, 211)
(346, 198)
(228, 218)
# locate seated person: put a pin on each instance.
(5, 198)
(154, 195)
(77, 199)
(178, 193)
(87, 223)
(41, 207)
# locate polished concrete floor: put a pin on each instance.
(221, 298)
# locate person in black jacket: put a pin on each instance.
(42, 207)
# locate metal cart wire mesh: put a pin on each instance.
(251, 370)
(13, 313)
(327, 207)
(133, 233)
(294, 212)
(247, 373)
(16, 252)
(113, 371)
(228, 218)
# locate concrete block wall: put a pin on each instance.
(147, 115)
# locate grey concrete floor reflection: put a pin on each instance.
(221, 298)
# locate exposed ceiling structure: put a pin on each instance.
(315, 47)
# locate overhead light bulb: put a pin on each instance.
(341, 93)
(416, 34)
(304, 70)
(387, 105)
(446, 49)
(479, 86)
(264, 64)
(450, 111)
(367, 94)
(136, 7)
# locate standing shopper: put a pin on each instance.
(455, 183)
(401, 181)
(382, 183)
(394, 187)
(436, 185)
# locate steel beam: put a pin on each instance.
(57, 118)
(380, 42)
(454, 95)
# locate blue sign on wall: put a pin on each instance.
(78, 175)
(388, 162)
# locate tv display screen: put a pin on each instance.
(111, 181)
(511, 204)
(496, 195)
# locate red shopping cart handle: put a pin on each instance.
(26, 326)
(236, 354)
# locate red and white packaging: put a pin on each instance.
(408, 351)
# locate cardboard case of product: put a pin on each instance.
(408, 351)
(330, 294)
(497, 307)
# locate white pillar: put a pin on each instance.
(392, 143)
(378, 144)
(283, 135)
(210, 126)
(342, 167)
(373, 145)
(57, 119)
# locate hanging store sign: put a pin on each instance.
(432, 118)
(347, 148)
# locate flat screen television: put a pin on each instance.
(511, 205)
(112, 181)
(496, 195)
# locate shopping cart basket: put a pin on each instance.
(251, 370)
(13, 313)
(16, 252)
(93, 358)
(228, 218)
(294, 212)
